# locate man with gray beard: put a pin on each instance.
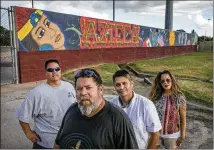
(93, 122)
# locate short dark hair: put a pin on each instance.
(50, 61)
(89, 72)
(121, 73)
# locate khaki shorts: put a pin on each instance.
(168, 143)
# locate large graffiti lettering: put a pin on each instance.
(40, 30)
(107, 34)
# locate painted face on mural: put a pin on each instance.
(46, 32)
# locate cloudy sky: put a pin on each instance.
(187, 15)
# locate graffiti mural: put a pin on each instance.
(43, 30)
(181, 38)
(171, 38)
(40, 30)
(194, 39)
(98, 33)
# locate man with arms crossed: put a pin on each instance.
(46, 104)
(140, 110)
(92, 122)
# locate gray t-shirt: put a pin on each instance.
(46, 105)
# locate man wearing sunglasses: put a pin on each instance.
(46, 105)
(141, 111)
(92, 122)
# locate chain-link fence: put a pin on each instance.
(5, 39)
(7, 55)
(206, 46)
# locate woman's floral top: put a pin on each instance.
(168, 112)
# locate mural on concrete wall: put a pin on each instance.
(40, 30)
(97, 33)
(43, 30)
(153, 37)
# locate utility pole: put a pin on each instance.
(205, 35)
(169, 15)
(206, 29)
(113, 10)
(32, 3)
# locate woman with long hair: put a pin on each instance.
(170, 103)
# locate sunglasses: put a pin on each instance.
(167, 80)
(52, 69)
(85, 73)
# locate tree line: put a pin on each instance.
(204, 38)
(5, 36)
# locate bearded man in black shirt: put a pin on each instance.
(92, 122)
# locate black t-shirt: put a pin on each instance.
(110, 128)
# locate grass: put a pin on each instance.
(106, 72)
(198, 91)
(196, 64)
(68, 75)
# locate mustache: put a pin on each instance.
(121, 91)
(82, 99)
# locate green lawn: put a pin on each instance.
(197, 90)
(197, 64)
(194, 65)
(106, 71)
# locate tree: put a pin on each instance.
(5, 37)
(205, 38)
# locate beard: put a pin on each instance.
(88, 109)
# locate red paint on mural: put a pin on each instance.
(97, 33)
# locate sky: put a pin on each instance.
(187, 15)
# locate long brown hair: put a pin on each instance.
(157, 89)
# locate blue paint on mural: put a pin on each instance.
(69, 25)
(40, 30)
(44, 30)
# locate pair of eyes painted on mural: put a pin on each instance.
(48, 34)
(40, 30)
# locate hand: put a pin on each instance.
(179, 141)
(33, 136)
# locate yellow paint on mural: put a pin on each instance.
(172, 38)
(26, 29)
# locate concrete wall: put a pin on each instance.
(78, 41)
(40, 30)
(32, 63)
